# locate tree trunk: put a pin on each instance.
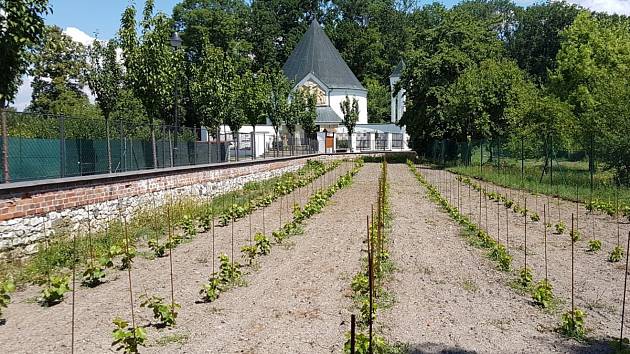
(237, 138)
(544, 169)
(153, 146)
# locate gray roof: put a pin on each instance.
(316, 54)
(327, 115)
(398, 69)
(380, 127)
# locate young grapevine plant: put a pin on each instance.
(543, 293)
(93, 274)
(165, 314)
(189, 226)
(616, 254)
(158, 249)
(572, 324)
(6, 288)
(210, 291)
(594, 246)
(560, 227)
(525, 277)
(126, 338)
(53, 292)
(263, 246)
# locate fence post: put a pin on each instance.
(5, 147)
(123, 148)
(218, 143)
(170, 146)
(208, 141)
(62, 141)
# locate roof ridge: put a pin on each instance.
(315, 53)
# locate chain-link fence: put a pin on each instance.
(540, 165)
(40, 146)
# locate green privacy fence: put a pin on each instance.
(31, 159)
(41, 146)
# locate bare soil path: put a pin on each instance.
(449, 298)
(297, 302)
(294, 301)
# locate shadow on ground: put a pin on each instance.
(569, 346)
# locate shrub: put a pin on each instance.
(279, 235)
(127, 258)
(126, 338)
(360, 284)
(189, 227)
(500, 254)
(362, 344)
(575, 235)
(535, 217)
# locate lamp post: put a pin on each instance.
(176, 43)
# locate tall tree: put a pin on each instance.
(208, 88)
(21, 28)
(592, 75)
(454, 43)
(476, 103)
(278, 105)
(222, 22)
(536, 38)
(57, 70)
(309, 116)
(105, 78)
(350, 110)
(256, 91)
(153, 69)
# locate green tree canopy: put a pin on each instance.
(57, 71)
(21, 28)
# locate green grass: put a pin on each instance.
(150, 222)
(571, 180)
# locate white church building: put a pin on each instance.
(316, 66)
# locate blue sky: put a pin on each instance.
(103, 16)
(97, 16)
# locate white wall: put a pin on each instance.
(339, 95)
(397, 101)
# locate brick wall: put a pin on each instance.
(30, 212)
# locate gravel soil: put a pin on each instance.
(449, 297)
(294, 300)
(598, 286)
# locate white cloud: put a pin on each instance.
(23, 97)
(79, 36)
(620, 7)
